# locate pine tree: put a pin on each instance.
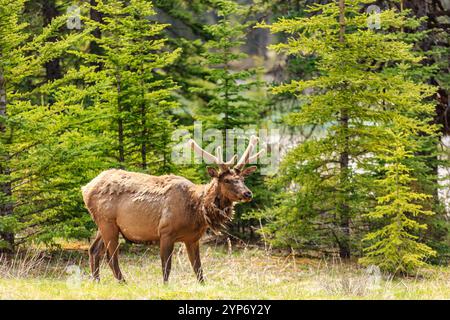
(363, 81)
(133, 82)
(230, 104)
(235, 94)
(30, 193)
(394, 247)
(186, 31)
(11, 37)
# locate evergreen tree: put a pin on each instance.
(235, 95)
(394, 247)
(133, 85)
(231, 104)
(32, 192)
(185, 29)
(12, 37)
(362, 84)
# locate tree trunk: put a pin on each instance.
(94, 47)
(120, 126)
(53, 67)
(143, 135)
(6, 207)
(344, 210)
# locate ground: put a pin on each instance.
(244, 273)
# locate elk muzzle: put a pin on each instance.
(247, 196)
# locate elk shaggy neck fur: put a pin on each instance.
(216, 209)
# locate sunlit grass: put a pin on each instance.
(247, 273)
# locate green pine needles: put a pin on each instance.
(395, 246)
(230, 104)
(132, 80)
(364, 184)
(354, 169)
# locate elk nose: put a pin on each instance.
(248, 195)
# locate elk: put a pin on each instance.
(168, 209)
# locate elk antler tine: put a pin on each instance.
(219, 154)
(223, 166)
(256, 156)
(246, 155)
(231, 161)
(204, 154)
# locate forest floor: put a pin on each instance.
(248, 273)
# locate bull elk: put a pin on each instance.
(167, 209)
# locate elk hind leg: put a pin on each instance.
(110, 236)
(96, 250)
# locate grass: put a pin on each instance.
(248, 273)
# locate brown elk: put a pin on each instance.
(145, 208)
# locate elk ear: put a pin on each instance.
(212, 172)
(248, 171)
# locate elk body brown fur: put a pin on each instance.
(167, 209)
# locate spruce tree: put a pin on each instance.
(235, 94)
(363, 81)
(231, 104)
(12, 36)
(133, 85)
(395, 245)
(32, 192)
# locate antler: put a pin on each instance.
(214, 159)
(224, 166)
(246, 158)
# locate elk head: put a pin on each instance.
(231, 180)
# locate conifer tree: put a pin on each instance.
(230, 105)
(30, 192)
(186, 31)
(363, 82)
(394, 247)
(235, 94)
(133, 83)
(12, 37)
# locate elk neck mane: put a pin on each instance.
(216, 209)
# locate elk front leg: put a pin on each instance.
(193, 250)
(166, 250)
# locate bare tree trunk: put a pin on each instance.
(6, 207)
(344, 210)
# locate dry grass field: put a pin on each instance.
(248, 273)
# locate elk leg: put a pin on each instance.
(110, 236)
(166, 250)
(193, 250)
(96, 250)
